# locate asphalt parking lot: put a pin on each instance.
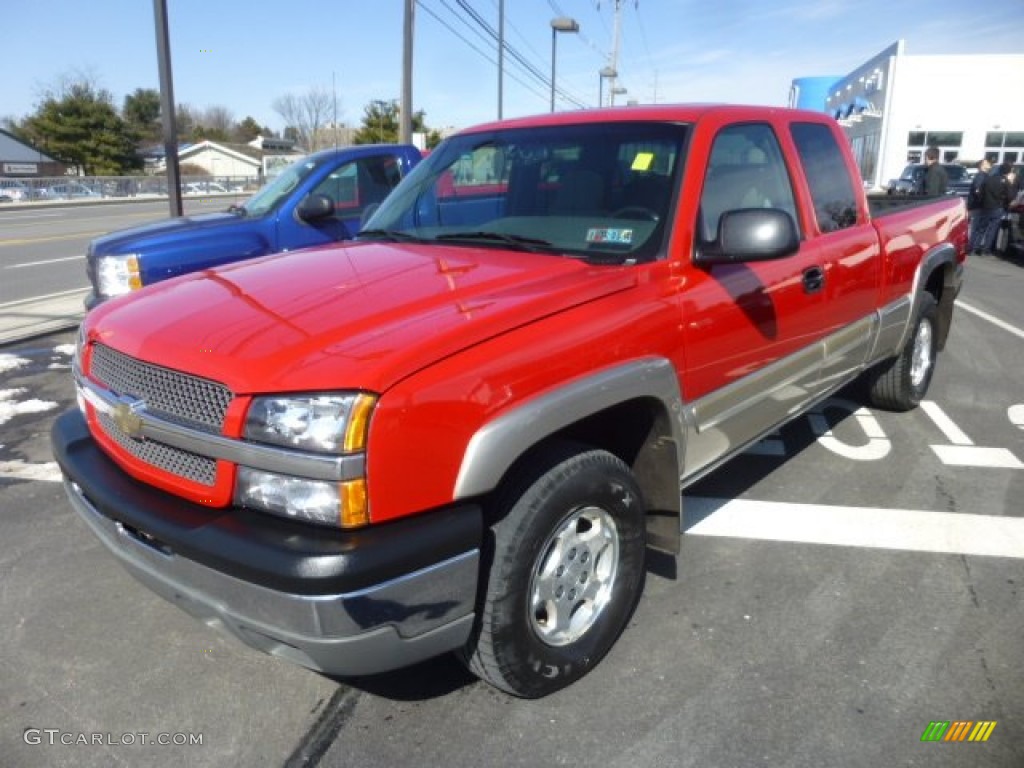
(851, 580)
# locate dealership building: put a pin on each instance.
(894, 106)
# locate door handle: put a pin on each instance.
(814, 279)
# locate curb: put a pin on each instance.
(20, 320)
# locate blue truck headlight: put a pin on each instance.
(117, 275)
(320, 423)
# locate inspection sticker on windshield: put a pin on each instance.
(624, 236)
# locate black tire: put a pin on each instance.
(580, 513)
(901, 383)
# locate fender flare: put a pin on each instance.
(498, 444)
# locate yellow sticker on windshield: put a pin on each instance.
(642, 161)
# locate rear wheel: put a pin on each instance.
(566, 572)
(901, 383)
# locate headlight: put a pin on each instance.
(116, 275)
(311, 501)
(335, 424)
(321, 423)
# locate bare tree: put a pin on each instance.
(308, 113)
(219, 121)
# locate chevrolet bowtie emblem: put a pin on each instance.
(126, 417)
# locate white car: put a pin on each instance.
(71, 190)
(16, 190)
(205, 188)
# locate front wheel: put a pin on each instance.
(566, 572)
(901, 383)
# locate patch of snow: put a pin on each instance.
(12, 363)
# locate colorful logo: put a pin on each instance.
(958, 730)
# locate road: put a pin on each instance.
(42, 248)
(842, 585)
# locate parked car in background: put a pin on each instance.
(205, 188)
(911, 177)
(317, 200)
(17, 191)
(70, 190)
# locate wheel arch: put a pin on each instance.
(938, 274)
(633, 411)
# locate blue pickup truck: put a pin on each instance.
(319, 199)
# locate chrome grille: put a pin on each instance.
(190, 466)
(175, 396)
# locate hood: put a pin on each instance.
(148, 235)
(357, 315)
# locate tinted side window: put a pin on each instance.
(832, 189)
(357, 184)
(745, 170)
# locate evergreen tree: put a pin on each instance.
(247, 130)
(380, 124)
(141, 112)
(81, 127)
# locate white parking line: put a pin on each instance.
(1015, 413)
(992, 319)
(47, 261)
(902, 529)
(46, 297)
(952, 432)
(19, 470)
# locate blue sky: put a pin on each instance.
(242, 54)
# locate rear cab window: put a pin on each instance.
(828, 177)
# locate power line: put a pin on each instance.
(516, 57)
(486, 56)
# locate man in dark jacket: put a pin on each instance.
(974, 204)
(935, 178)
(996, 196)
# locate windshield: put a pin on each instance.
(600, 191)
(279, 188)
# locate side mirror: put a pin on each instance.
(314, 208)
(751, 234)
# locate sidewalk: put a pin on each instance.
(33, 317)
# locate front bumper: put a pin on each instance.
(341, 602)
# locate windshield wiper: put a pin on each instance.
(517, 241)
(394, 235)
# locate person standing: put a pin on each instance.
(977, 229)
(936, 180)
(995, 201)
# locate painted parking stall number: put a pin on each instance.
(877, 445)
(958, 451)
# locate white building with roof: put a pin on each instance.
(894, 105)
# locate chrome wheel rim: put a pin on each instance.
(573, 577)
(921, 360)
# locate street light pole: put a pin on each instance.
(604, 73)
(560, 24)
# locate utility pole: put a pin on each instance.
(163, 56)
(405, 108)
(501, 53)
(615, 51)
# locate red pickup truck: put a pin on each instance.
(462, 431)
